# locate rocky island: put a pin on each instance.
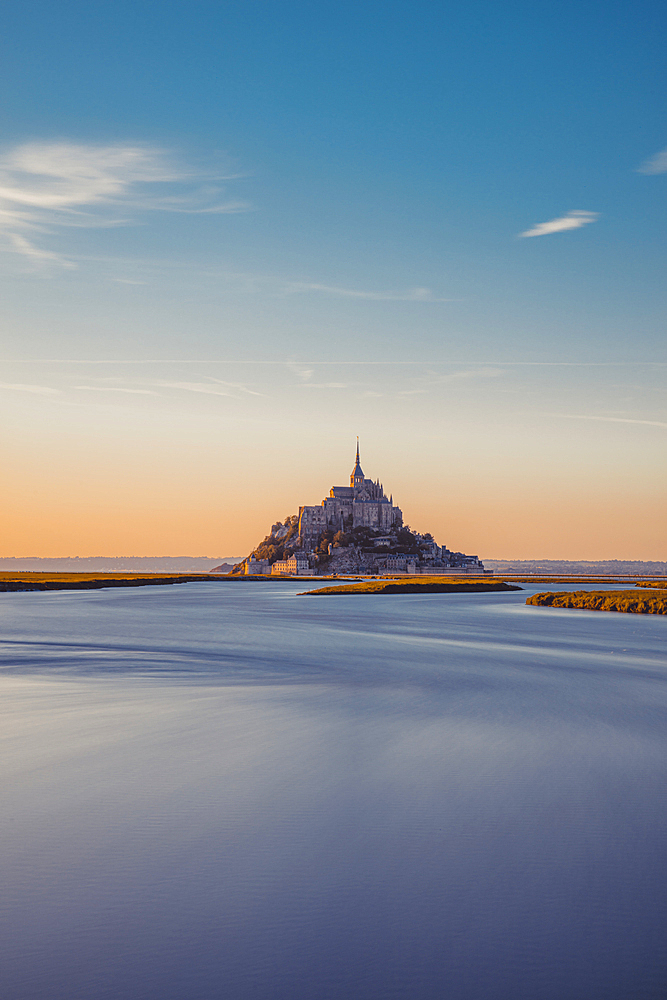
(355, 530)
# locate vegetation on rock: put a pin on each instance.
(280, 544)
(361, 549)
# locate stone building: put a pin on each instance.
(295, 565)
(361, 504)
(253, 567)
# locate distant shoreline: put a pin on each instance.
(578, 567)
(34, 581)
(145, 565)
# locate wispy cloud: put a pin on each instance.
(47, 186)
(20, 245)
(468, 373)
(248, 283)
(572, 220)
(238, 386)
(115, 388)
(22, 387)
(484, 372)
(300, 370)
(211, 387)
(655, 165)
(611, 420)
(411, 295)
(325, 385)
(207, 384)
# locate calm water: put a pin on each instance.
(215, 791)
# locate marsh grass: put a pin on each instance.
(92, 581)
(428, 585)
(629, 601)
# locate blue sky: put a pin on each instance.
(475, 188)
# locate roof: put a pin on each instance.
(357, 470)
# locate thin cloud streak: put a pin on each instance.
(655, 165)
(470, 373)
(610, 420)
(212, 387)
(22, 387)
(114, 388)
(412, 295)
(572, 220)
(240, 386)
(483, 372)
(325, 385)
(204, 387)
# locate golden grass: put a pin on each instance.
(92, 581)
(604, 600)
(96, 581)
(425, 585)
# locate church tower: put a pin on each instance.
(357, 475)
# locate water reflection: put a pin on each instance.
(221, 793)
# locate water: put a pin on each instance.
(229, 791)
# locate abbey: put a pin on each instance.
(356, 529)
(362, 504)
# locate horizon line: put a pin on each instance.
(534, 559)
(218, 361)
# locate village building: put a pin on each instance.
(295, 565)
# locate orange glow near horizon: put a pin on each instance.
(204, 516)
(154, 477)
(485, 526)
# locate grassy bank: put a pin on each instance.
(631, 601)
(525, 578)
(97, 581)
(92, 581)
(429, 585)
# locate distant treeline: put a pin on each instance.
(564, 567)
(116, 564)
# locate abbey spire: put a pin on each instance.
(357, 475)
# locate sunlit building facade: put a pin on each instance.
(361, 504)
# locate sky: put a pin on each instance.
(234, 236)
